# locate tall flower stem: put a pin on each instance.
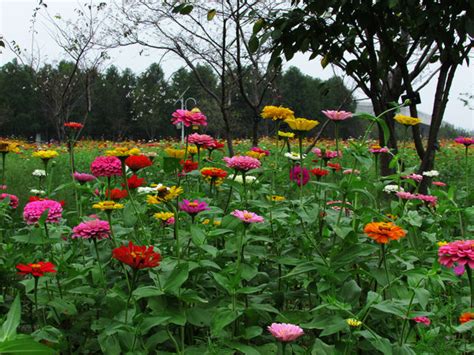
(4, 157)
(112, 234)
(300, 143)
(130, 292)
(100, 264)
(336, 133)
(36, 296)
(384, 259)
(244, 183)
(132, 200)
(46, 232)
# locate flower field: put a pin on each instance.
(285, 248)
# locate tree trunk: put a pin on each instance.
(228, 134)
(255, 126)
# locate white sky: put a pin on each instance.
(15, 24)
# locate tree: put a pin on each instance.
(384, 47)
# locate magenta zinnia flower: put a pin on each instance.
(432, 200)
(299, 175)
(285, 332)
(93, 229)
(247, 217)
(106, 166)
(242, 163)
(189, 118)
(193, 207)
(425, 320)
(13, 199)
(83, 177)
(467, 141)
(337, 115)
(33, 211)
(200, 139)
(459, 252)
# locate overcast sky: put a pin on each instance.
(15, 24)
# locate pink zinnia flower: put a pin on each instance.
(106, 166)
(379, 150)
(193, 207)
(432, 200)
(242, 163)
(247, 217)
(33, 211)
(285, 332)
(405, 195)
(94, 229)
(337, 115)
(459, 270)
(83, 177)
(200, 139)
(438, 183)
(459, 253)
(425, 320)
(299, 175)
(3, 187)
(189, 118)
(414, 177)
(327, 154)
(13, 199)
(467, 141)
(170, 221)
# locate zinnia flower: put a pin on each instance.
(337, 115)
(392, 188)
(334, 166)
(189, 165)
(39, 173)
(137, 162)
(301, 124)
(13, 199)
(200, 139)
(107, 205)
(33, 211)
(242, 163)
(8, 147)
(277, 113)
(299, 175)
(36, 269)
(467, 141)
(319, 172)
(424, 320)
(106, 166)
(405, 195)
(354, 323)
(166, 218)
(285, 332)
(326, 154)
(247, 217)
(414, 177)
(134, 182)
(285, 135)
(294, 156)
(189, 118)
(122, 152)
(137, 257)
(377, 149)
(164, 194)
(45, 154)
(383, 232)
(466, 317)
(459, 252)
(83, 177)
(93, 229)
(175, 153)
(431, 173)
(193, 207)
(406, 120)
(74, 125)
(438, 183)
(116, 194)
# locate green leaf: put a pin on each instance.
(334, 327)
(321, 348)
(129, 216)
(197, 235)
(13, 320)
(150, 322)
(177, 277)
(464, 327)
(379, 343)
(258, 25)
(392, 307)
(63, 306)
(147, 291)
(170, 165)
(245, 349)
(253, 44)
(423, 295)
(211, 14)
(222, 318)
(24, 345)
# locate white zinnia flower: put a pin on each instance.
(392, 188)
(431, 173)
(248, 179)
(37, 192)
(294, 156)
(39, 173)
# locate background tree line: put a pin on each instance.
(126, 105)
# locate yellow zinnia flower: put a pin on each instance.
(301, 124)
(286, 134)
(406, 120)
(255, 155)
(45, 154)
(107, 205)
(163, 216)
(276, 198)
(121, 152)
(164, 194)
(7, 147)
(277, 113)
(352, 322)
(175, 153)
(192, 150)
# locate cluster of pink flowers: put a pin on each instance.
(379, 150)
(459, 253)
(285, 332)
(200, 139)
(33, 211)
(260, 150)
(247, 217)
(337, 115)
(414, 177)
(193, 207)
(13, 199)
(327, 154)
(467, 141)
(83, 177)
(106, 166)
(93, 229)
(424, 320)
(299, 175)
(242, 163)
(189, 118)
(432, 200)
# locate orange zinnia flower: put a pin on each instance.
(383, 232)
(466, 317)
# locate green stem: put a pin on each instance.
(4, 156)
(36, 295)
(471, 283)
(100, 264)
(384, 258)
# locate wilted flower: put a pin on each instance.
(285, 332)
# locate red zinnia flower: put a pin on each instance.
(36, 269)
(134, 182)
(335, 166)
(74, 125)
(137, 257)
(116, 194)
(189, 165)
(466, 317)
(137, 162)
(319, 172)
